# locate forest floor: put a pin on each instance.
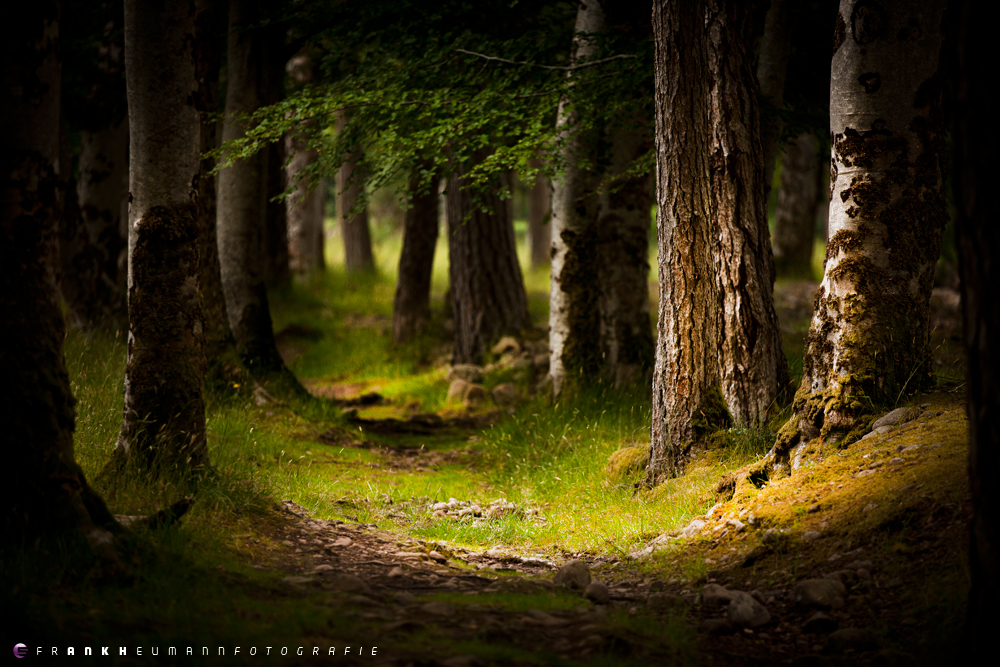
(423, 529)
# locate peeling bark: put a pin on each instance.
(868, 342)
(411, 309)
(751, 359)
(487, 291)
(798, 203)
(163, 426)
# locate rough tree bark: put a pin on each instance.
(574, 311)
(487, 291)
(751, 359)
(306, 206)
(164, 416)
(354, 231)
(772, 64)
(976, 141)
(798, 201)
(539, 218)
(242, 204)
(49, 495)
(686, 373)
(626, 337)
(94, 242)
(867, 344)
(411, 310)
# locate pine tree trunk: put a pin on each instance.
(976, 143)
(623, 266)
(411, 311)
(164, 417)
(95, 235)
(752, 362)
(574, 310)
(242, 203)
(305, 208)
(868, 340)
(487, 291)
(775, 49)
(798, 201)
(686, 373)
(539, 218)
(49, 495)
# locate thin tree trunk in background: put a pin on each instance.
(487, 291)
(411, 310)
(277, 271)
(354, 229)
(868, 342)
(210, 39)
(751, 359)
(574, 315)
(164, 417)
(686, 373)
(976, 140)
(772, 65)
(798, 201)
(94, 247)
(623, 264)
(539, 218)
(306, 207)
(242, 204)
(48, 495)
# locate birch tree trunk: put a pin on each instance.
(574, 311)
(242, 203)
(539, 218)
(411, 310)
(686, 373)
(487, 291)
(751, 359)
(798, 201)
(976, 142)
(867, 344)
(163, 426)
(49, 495)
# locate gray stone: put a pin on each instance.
(746, 612)
(457, 389)
(714, 595)
(505, 394)
(505, 345)
(897, 416)
(850, 638)
(824, 593)
(819, 624)
(811, 535)
(716, 626)
(882, 430)
(737, 525)
(773, 536)
(348, 583)
(693, 528)
(468, 372)
(574, 574)
(475, 394)
(319, 569)
(597, 593)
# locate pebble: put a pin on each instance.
(693, 528)
(811, 535)
(597, 593)
(746, 612)
(825, 593)
(897, 416)
(574, 574)
(506, 344)
(322, 568)
(902, 449)
(714, 595)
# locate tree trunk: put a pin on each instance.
(868, 340)
(164, 417)
(798, 201)
(243, 206)
(487, 292)
(686, 375)
(210, 38)
(539, 218)
(411, 311)
(277, 271)
(976, 142)
(623, 266)
(354, 230)
(775, 48)
(753, 364)
(49, 495)
(574, 310)
(95, 240)
(305, 208)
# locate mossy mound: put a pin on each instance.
(626, 465)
